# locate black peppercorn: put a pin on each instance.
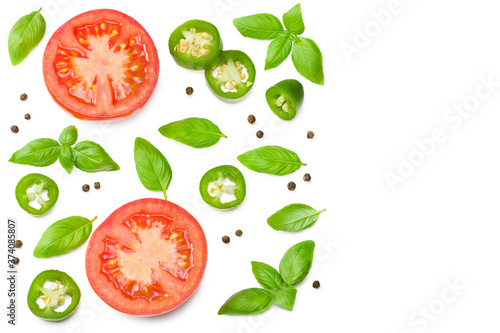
(260, 134)
(225, 239)
(307, 177)
(18, 244)
(291, 186)
(251, 119)
(316, 284)
(27, 116)
(310, 134)
(238, 233)
(15, 261)
(97, 185)
(86, 188)
(14, 129)
(24, 97)
(189, 90)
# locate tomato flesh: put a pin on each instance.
(147, 258)
(101, 64)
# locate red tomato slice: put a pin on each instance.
(101, 64)
(147, 258)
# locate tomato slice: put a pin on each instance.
(232, 77)
(147, 257)
(223, 187)
(101, 64)
(39, 188)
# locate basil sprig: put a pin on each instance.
(274, 160)
(278, 286)
(63, 236)
(294, 217)
(87, 156)
(306, 55)
(25, 34)
(194, 132)
(152, 167)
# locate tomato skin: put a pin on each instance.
(64, 36)
(290, 91)
(45, 184)
(214, 84)
(187, 60)
(113, 227)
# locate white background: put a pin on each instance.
(382, 256)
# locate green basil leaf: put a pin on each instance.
(307, 59)
(152, 167)
(296, 263)
(194, 132)
(274, 160)
(39, 152)
(294, 217)
(267, 276)
(278, 50)
(63, 236)
(293, 20)
(91, 157)
(68, 136)
(248, 301)
(67, 158)
(259, 26)
(286, 298)
(26, 33)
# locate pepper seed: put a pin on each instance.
(14, 129)
(291, 186)
(189, 91)
(15, 261)
(18, 244)
(310, 134)
(307, 177)
(316, 284)
(260, 134)
(86, 188)
(251, 119)
(238, 233)
(23, 97)
(225, 239)
(27, 116)
(97, 185)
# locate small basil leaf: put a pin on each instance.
(259, 26)
(194, 132)
(286, 298)
(63, 236)
(91, 157)
(152, 167)
(293, 20)
(267, 276)
(68, 136)
(26, 33)
(67, 158)
(278, 50)
(294, 217)
(307, 59)
(39, 152)
(296, 263)
(247, 301)
(274, 160)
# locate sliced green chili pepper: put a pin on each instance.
(223, 187)
(232, 77)
(34, 187)
(195, 44)
(58, 286)
(285, 98)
